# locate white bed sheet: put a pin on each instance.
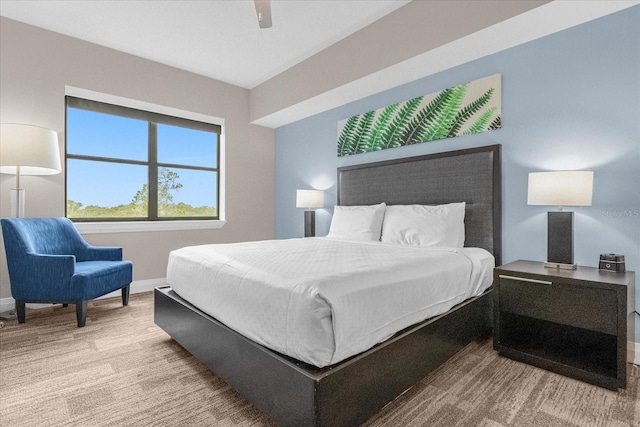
(321, 300)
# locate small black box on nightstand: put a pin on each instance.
(612, 262)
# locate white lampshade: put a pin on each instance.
(561, 188)
(309, 199)
(31, 148)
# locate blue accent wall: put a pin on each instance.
(570, 100)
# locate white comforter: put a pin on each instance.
(321, 300)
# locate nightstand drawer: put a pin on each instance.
(580, 306)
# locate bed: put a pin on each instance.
(349, 391)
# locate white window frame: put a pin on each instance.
(144, 226)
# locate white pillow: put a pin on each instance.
(363, 223)
(419, 225)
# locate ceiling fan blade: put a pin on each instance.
(263, 10)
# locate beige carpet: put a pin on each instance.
(122, 370)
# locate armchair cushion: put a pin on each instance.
(96, 278)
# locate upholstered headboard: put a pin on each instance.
(472, 176)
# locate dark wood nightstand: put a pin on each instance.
(572, 322)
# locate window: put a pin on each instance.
(125, 164)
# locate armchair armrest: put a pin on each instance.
(52, 266)
(42, 277)
(100, 253)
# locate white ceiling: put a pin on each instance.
(218, 39)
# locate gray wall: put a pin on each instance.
(36, 67)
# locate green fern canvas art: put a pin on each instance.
(460, 110)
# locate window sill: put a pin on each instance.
(143, 226)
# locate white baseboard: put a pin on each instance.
(633, 352)
(7, 304)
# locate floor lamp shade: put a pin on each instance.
(27, 150)
(310, 199)
(561, 188)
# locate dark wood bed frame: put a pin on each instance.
(294, 393)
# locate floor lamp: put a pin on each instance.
(561, 188)
(310, 199)
(27, 150)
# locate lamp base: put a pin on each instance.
(309, 223)
(560, 238)
(560, 266)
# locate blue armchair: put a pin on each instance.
(50, 262)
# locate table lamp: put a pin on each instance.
(309, 199)
(27, 150)
(560, 188)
